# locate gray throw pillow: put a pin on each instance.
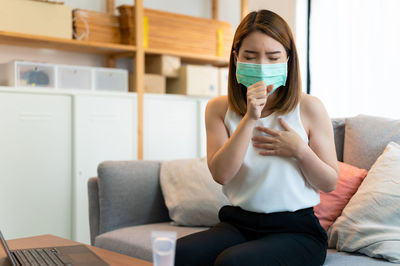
(366, 137)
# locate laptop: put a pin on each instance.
(63, 255)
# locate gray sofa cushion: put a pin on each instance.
(366, 137)
(135, 241)
(335, 258)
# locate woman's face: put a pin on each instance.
(259, 48)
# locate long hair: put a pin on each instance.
(273, 25)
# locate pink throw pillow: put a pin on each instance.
(332, 203)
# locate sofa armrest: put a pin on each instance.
(129, 194)
(94, 211)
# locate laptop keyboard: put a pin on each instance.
(41, 256)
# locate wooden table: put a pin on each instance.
(42, 241)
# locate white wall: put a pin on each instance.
(285, 8)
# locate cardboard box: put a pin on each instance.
(96, 26)
(195, 80)
(153, 83)
(223, 75)
(36, 18)
(168, 31)
(163, 65)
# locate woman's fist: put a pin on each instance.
(257, 95)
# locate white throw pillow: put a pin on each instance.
(370, 222)
(192, 196)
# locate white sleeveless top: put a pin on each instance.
(267, 184)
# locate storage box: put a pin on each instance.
(153, 83)
(36, 18)
(73, 77)
(175, 32)
(110, 79)
(163, 65)
(195, 80)
(28, 74)
(96, 26)
(223, 80)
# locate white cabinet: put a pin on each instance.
(35, 165)
(170, 127)
(173, 127)
(51, 144)
(104, 129)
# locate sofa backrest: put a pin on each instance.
(339, 131)
(135, 182)
(366, 137)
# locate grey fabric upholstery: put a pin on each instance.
(335, 258)
(130, 194)
(135, 241)
(366, 137)
(339, 131)
(129, 204)
(94, 209)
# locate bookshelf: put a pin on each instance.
(114, 51)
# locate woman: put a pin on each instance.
(272, 148)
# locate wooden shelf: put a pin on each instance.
(117, 50)
(185, 57)
(192, 58)
(36, 41)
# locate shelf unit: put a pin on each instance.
(114, 51)
(44, 42)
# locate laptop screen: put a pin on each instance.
(5, 247)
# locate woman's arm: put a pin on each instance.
(225, 154)
(318, 160)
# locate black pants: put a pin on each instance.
(249, 239)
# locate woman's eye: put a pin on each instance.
(273, 59)
(249, 58)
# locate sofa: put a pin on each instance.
(126, 203)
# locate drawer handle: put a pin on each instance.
(35, 116)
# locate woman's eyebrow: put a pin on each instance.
(274, 52)
(255, 52)
(250, 52)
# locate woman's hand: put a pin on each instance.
(257, 95)
(285, 143)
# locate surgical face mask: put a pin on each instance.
(275, 74)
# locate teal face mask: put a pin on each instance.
(248, 74)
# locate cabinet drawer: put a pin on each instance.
(110, 79)
(69, 77)
(28, 74)
(35, 160)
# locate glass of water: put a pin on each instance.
(163, 243)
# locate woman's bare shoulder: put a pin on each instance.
(311, 106)
(218, 106)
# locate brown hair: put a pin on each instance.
(276, 27)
